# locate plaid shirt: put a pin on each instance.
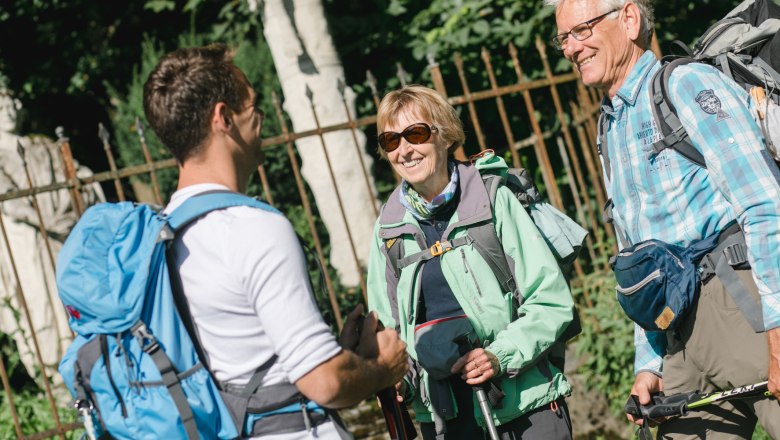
(667, 197)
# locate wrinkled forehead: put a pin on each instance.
(570, 13)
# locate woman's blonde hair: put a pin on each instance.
(425, 103)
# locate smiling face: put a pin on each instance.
(605, 58)
(423, 166)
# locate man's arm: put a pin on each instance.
(740, 165)
(349, 377)
(773, 339)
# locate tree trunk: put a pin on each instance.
(304, 56)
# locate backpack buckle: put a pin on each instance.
(439, 248)
(145, 338)
(735, 254)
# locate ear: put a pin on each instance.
(221, 118)
(632, 21)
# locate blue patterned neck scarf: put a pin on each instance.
(416, 204)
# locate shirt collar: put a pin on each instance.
(630, 89)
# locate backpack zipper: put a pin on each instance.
(716, 31)
(628, 291)
(107, 361)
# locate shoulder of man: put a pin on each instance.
(701, 86)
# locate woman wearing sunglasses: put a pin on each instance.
(428, 280)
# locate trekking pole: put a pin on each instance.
(484, 405)
(466, 345)
(399, 423)
(676, 405)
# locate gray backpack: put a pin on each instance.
(745, 46)
(563, 236)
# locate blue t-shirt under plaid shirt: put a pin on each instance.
(669, 198)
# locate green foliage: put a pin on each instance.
(607, 342)
(34, 413)
(761, 434)
(446, 26)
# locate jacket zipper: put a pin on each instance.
(470, 272)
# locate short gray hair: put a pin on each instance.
(645, 9)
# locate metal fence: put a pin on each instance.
(504, 118)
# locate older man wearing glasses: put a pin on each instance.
(666, 197)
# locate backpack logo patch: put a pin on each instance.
(73, 312)
(711, 104)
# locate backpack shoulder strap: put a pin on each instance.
(603, 148)
(665, 115)
(487, 243)
(200, 204)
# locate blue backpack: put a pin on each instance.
(135, 365)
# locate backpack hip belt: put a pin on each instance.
(728, 255)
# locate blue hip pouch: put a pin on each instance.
(658, 282)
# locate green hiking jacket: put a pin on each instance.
(527, 378)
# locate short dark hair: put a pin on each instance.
(181, 92)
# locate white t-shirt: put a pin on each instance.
(245, 278)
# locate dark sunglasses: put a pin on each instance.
(414, 134)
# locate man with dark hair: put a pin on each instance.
(242, 269)
(666, 197)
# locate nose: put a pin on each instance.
(403, 146)
(572, 47)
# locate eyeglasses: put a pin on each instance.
(414, 134)
(581, 32)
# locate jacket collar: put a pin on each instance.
(473, 206)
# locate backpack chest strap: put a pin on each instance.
(438, 248)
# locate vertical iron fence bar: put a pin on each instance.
(371, 81)
(575, 195)
(139, 128)
(307, 209)
(594, 169)
(10, 397)
(69, 169)
(548, 176)
(33, 333)
(592, 109)
(577, 202)
(264, 183)
(564, 126)
(438, 85)
(594, 95)
(103, 135)
(436, 77)
(586, 148)
(353, 129)
(44, 234)
(34, 199)
(470, 102)
(501, 109)
(359, 268)
(401, 74)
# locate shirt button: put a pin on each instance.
(731, 140)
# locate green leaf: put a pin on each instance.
(160, 5)
(482, 28)
(396, 8)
